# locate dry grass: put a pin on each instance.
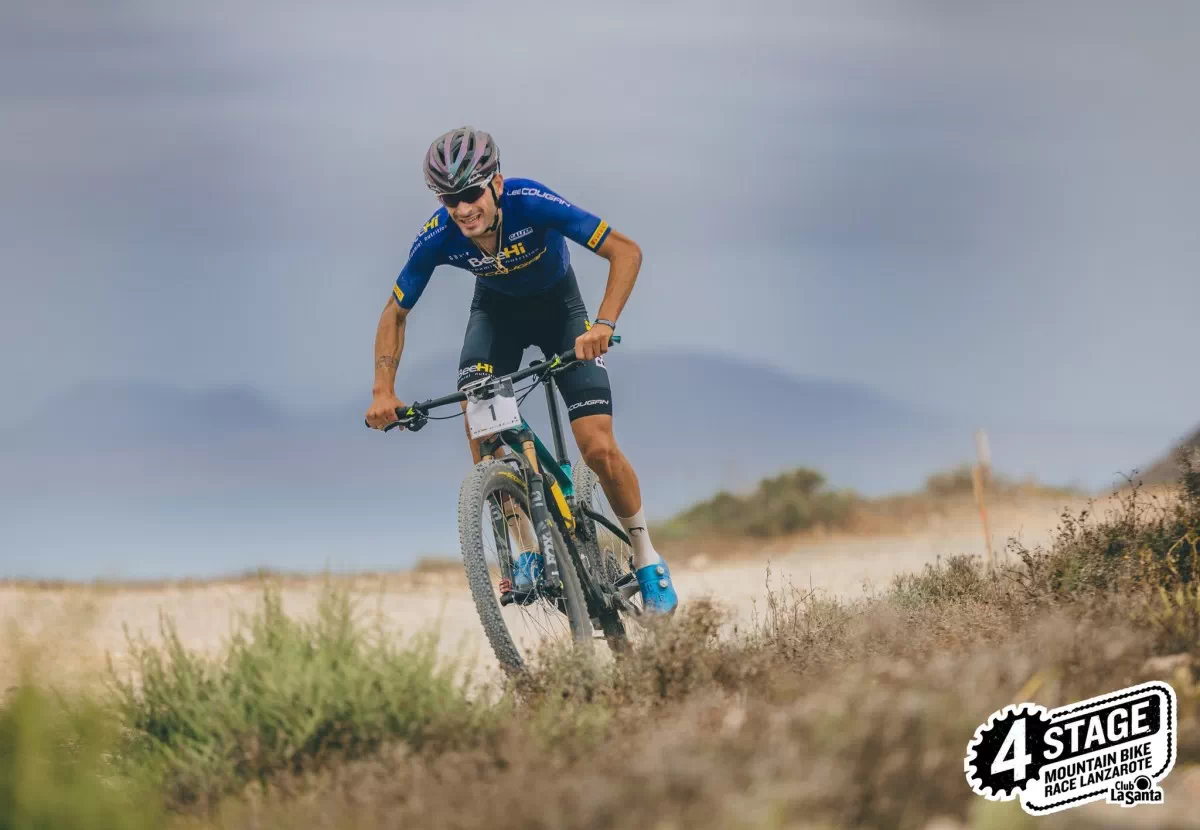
(821, 713)
(826, 715)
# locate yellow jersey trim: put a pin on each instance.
(597, 235)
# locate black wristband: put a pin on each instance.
(608, 323)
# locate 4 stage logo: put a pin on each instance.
(1116, 747)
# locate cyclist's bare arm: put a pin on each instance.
(624, 261)
(389, 344)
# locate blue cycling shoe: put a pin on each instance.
(528, 570)
(658, 592)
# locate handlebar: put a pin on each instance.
(413, 417)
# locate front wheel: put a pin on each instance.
(491, 497)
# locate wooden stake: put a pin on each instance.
(980, 473)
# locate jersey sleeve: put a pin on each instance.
(423, 257)
(575, 223)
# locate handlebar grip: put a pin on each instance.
(402, 419)
(569, 354)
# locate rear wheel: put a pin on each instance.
(549, 613)
(607, 557)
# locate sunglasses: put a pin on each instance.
(471, 194)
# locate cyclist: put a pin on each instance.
(511, 234)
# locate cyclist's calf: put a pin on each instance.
(598, 446)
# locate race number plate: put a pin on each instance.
(487, 416)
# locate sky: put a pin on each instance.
(981, 210)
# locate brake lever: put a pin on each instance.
(412, 423)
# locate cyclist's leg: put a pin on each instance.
(585, 389)
(588, 396)
(492, 348)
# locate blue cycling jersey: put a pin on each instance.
(536, 225)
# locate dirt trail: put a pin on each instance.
(72, 629)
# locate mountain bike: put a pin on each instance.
(584, 585)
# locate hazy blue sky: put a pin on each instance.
(983, 208)
(984, 211)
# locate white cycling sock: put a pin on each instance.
(520, 526)
(526, 536)
(643, 550)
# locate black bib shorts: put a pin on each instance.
(502, 327)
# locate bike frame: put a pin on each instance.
(560, 481)
(548, 478)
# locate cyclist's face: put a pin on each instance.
(474, 218)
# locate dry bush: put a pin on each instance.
(825, 713)
(693, 731)
(438, 565)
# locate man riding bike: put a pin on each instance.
(511, 234)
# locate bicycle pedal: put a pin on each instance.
(629, 591)
(625, 579)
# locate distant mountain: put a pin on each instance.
(113, 413)
(148, 480)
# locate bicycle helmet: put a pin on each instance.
(460, 159)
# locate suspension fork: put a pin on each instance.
(505, 512)
(541, 486)
(543, 524)
(543, 521)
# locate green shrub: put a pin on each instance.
(286, 695)
(788, 503)
(800, 500)
(53, 769)
(956, 482)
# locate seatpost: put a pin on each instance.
(560, 447)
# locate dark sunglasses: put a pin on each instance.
(471, 194)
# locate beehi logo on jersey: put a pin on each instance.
(1116, 748)
(509, 252)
